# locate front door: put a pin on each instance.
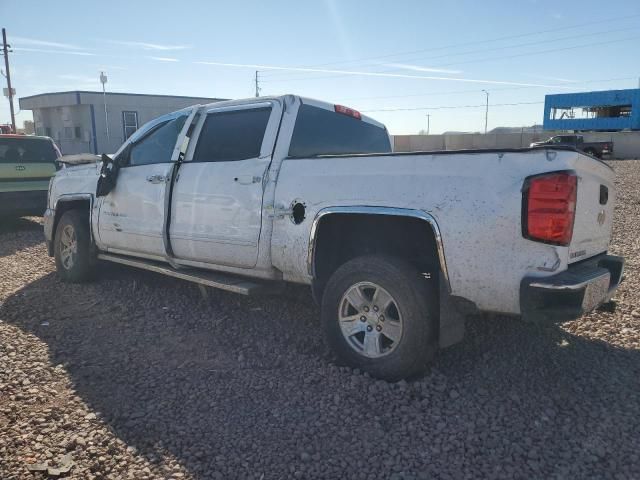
(131, 217)
(216, 211)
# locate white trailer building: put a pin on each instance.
(77, 121)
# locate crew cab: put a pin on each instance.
(398, 248)
(597, 149)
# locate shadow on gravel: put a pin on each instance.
(240, 387)
(18, 233)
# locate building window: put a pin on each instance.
(47, 131)
(67, 132)
(77, 133)
(129, 123)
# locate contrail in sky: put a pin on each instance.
(374, 74)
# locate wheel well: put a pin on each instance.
(65, 206)
(343, 236)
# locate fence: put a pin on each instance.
(625, 144)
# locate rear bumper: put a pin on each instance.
(18, 204)
(574, 292)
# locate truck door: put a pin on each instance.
(216, 210)
(131, 217)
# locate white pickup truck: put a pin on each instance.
(398, 248)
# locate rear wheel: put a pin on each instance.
(72, 247)
(378, 315)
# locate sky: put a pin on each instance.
(406, 63)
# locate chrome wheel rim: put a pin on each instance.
(370, 320)
(68, 247)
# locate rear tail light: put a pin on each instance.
(347, 111)
(549, 206)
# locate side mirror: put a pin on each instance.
(108, 176)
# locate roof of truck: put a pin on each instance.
(283, 98)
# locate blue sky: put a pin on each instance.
(398, 61)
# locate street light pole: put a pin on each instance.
(486, 112)
(103, 80)
(428, 122)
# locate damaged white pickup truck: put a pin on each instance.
(397, 247)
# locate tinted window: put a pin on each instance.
(235, 135)
(26, 150)
(157, 146)
(323, 132)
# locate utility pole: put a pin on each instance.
(5, 51)
(428, 122)
(257, 85)
(486, 112)
(103, 80)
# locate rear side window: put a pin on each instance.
(234, 135)
(27, 150)
(322, 132)
(157, 146)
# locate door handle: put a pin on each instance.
(247, 179)
(156, 179)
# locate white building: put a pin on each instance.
(77, 121)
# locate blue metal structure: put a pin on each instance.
(605, 110)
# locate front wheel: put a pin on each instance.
(378, 315)
(72, 247)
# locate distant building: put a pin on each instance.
(531, 129)
(76, 120)
(610, 110)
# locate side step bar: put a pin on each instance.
(223, 281)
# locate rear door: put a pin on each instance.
(131, 217)
(216, 211)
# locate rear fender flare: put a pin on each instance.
(371, 210)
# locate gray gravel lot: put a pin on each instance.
(138, 377)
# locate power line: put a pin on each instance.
(508, 37)
(459, 92)
(448, 107)
(539, 52)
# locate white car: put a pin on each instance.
(397, 247)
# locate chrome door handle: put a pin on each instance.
(156, 179)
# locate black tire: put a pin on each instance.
(79, 268)
(415, 302)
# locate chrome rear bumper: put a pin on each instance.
(578, 290)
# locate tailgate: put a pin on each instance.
(594, 209)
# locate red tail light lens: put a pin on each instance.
(347, 111)
(549, 206)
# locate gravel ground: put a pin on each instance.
(136, 376)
